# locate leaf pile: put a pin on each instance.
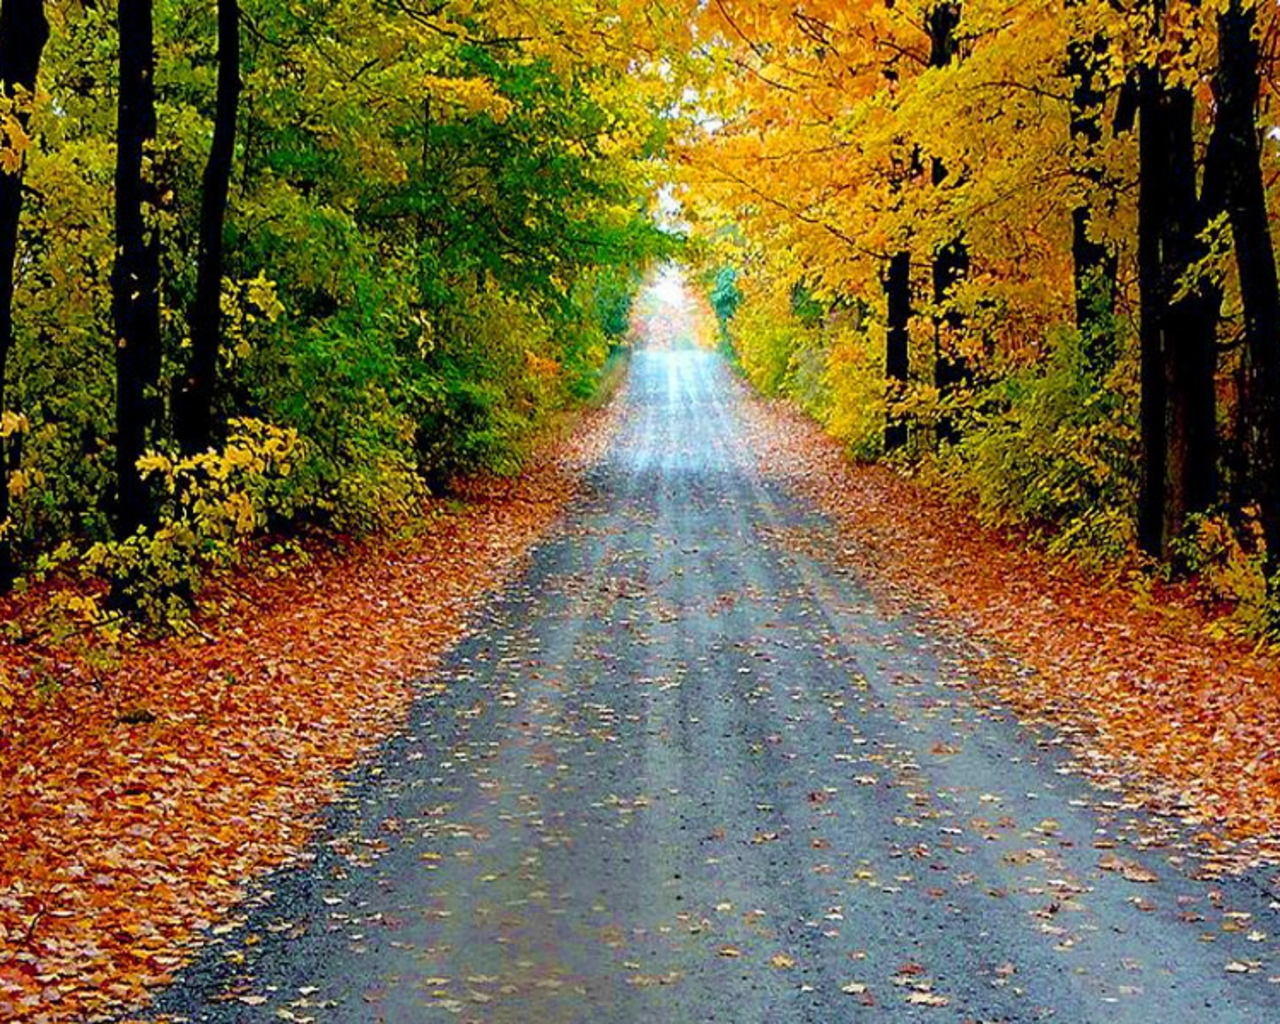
(1153, 701)
(136, 803)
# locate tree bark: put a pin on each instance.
(951, 369)
(1178, 332)
(1235, 148)
(193, 401)
(941, 24)
(1190, 330)
(135, 279)
(24, 30)
(897, 353)
(1094, 263)
(951, 260)
(1152, 203)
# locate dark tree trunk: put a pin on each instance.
(24, 31)
(1235, 149)
(135, 279)
(951, 369)
(897, 353)
(1093, 262)
(1152, 203)
(941, 24)
(1190, 330)
(1178, 332)
(193, 401)
(950, 261)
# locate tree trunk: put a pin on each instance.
(897, 353)
(1093, 262)
(941, 24)
(1178, 332)
(1152, 203)
(1190, 330)
(135, 279)
(24, 31)
(950, 261)
(1235, 148)
(193, 402)
(951, 369)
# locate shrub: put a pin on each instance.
(1042, 449)
(209, 505)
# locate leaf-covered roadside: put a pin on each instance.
(1154, 701)
(135, 809)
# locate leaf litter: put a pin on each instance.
(140, 799)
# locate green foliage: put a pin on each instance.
(611, 299)
(434, 234)
(805, 306)
(1043, 450)
(492, 378)
(725, 297)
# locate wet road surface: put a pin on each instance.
(686, 770)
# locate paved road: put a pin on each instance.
(687, 771)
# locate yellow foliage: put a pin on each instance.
(13, 423)
(468, 96)
(214, 502)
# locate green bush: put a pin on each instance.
(1043, 450)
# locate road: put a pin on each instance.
(688, 770)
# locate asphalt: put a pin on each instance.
(687, 769)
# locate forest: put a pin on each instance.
(638, 510)
(271, 269)
(276, 267)
(1026, 252)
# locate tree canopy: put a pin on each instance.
(1040, 242)
(294, 265)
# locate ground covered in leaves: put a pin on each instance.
(137, 801)
(1188, 720)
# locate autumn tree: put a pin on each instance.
(897, 355)
(951, 257)
(1237, 155)
(1071, 171)
(135, 283)
(1180, 307)
(1094, 262)
(193, 399)
(24, 31)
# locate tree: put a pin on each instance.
(1094, 262)
(135, 281)
(193, 401)
(951, 258)
(897, 358)
(1236, 151)
(1179, 308)
(24, 30)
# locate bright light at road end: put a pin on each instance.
(671, 289)
(671, 314)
